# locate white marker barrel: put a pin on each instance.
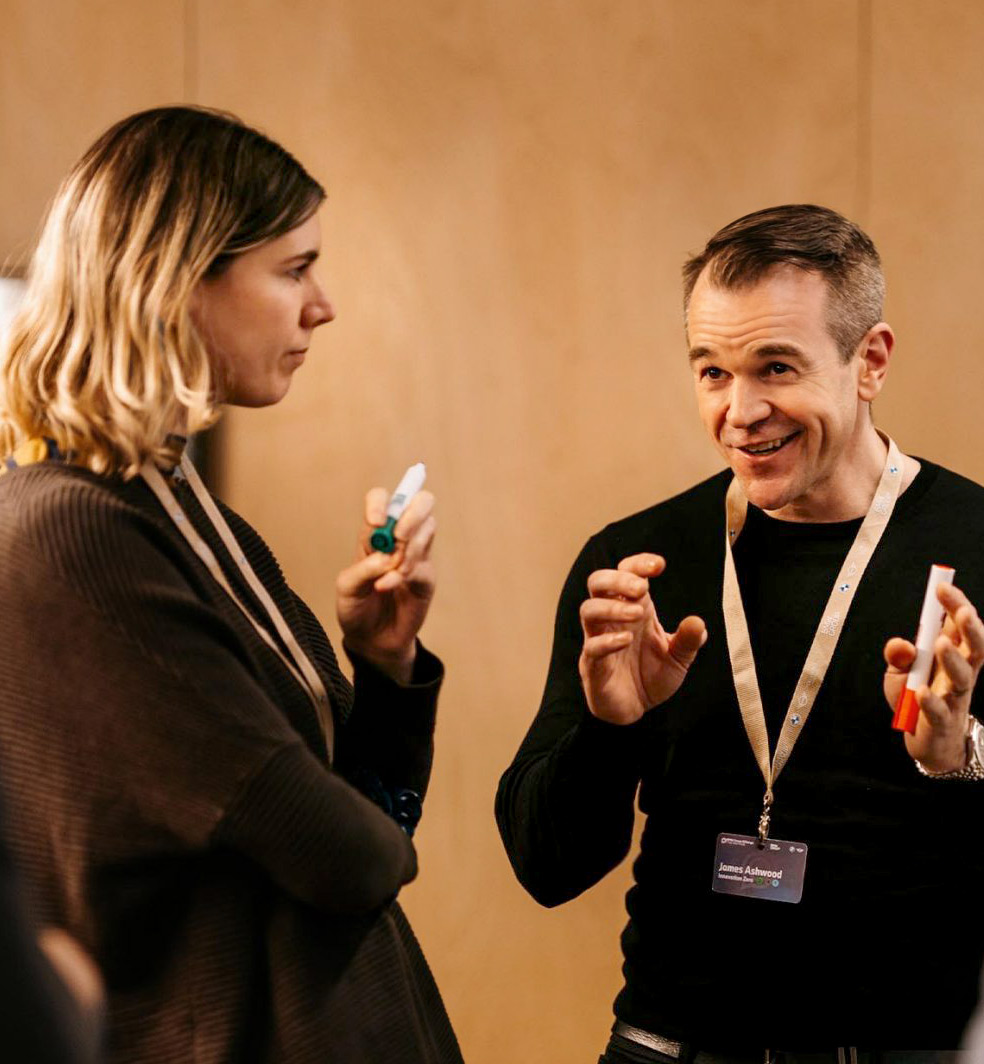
(930, 625)
(412, 482)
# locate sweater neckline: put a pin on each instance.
(779, 530)
(38, 449)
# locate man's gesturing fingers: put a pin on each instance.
(598, 614)
(940, 735)
(610, 583)
(957, 670)
(610, 624)
(596, 647)
(645, 565)
(689, 637)
(960, 652)
(899, 656)
(628, 662)
(963, 623)
(618, 605)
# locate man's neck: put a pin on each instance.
(850, 496)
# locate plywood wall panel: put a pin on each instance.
(513, 190)
(67, 71)
(927, 175)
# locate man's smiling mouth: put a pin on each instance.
(768, 446)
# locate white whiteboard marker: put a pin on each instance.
(930, 626)
(382, 538)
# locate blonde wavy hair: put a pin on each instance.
(103, 356)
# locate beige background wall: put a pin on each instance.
(513, 189)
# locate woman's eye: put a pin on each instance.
(297, 272)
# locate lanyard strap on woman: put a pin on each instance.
(297, 663)
(824, 641)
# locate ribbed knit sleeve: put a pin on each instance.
(382, 728)
(565, 805)
(172, 804)
(156, 713)
(391, 729)
(320, 839)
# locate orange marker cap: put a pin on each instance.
(906, 712)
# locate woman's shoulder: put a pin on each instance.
(31, 496)
(68, 518)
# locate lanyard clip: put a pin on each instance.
(764, 819)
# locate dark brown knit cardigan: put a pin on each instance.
(170, 802)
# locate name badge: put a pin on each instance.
(774, 872)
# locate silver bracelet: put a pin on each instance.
(974, 769)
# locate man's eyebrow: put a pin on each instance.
(772, 350)
(306, 257)
(779, 350)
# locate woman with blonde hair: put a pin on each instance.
(198, 795)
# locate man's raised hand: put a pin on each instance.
(629, 663)
(939, 743)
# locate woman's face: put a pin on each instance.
(257, 316)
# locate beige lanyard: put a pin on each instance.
(300, 667)
(825, 640)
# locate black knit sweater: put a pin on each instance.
(169, 799)
(878, 953)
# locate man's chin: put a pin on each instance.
(763, 493)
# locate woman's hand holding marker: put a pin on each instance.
(383, 597)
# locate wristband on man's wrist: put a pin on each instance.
(974, 768)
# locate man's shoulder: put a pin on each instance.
(703, 499)
(949, 485)
(690, 515)
(942, 502)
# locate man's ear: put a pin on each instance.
(873, 354)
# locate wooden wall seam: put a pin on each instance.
(865, 90)
(190, 43)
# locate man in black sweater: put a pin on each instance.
(803, 866)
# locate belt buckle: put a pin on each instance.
(648, 1039)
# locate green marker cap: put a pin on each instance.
(382, 539)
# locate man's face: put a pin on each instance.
(774, 393)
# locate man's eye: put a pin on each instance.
(711, 373)
(777, 369)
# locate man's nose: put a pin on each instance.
(747, 404)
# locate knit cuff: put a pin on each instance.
(413, 706)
